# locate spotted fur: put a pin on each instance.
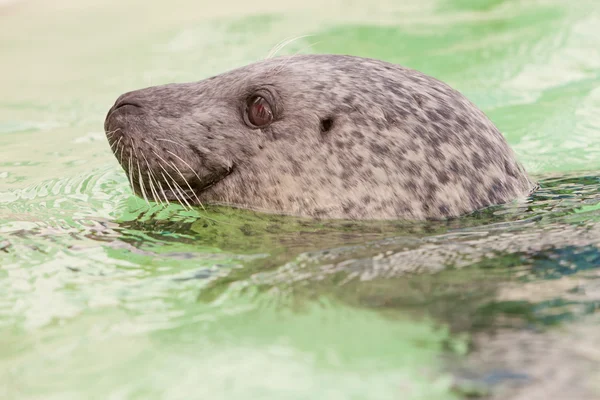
(399, 144)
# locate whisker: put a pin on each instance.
(188, 185)
(163, 192)
(116, 143)
(142, 181)
(284, 43)
(172, 179)
(130, 176)
(152, 189)
(177, 169)
(121, 155)
(110, 133)
(151, 177)
(186, 164)
(168, 184)
(170, 141)
(277, 46)
(130, 173)
(288, 60)
(180, 190)
(140, 175)
(158, 182)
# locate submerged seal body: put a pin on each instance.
(322, 136)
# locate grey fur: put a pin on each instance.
(402, 145)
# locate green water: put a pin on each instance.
(104, 298)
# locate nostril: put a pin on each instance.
(127, 103)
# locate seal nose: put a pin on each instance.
(127, 99)
(126, 102)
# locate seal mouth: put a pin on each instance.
(165, 189)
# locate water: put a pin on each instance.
(105, 298)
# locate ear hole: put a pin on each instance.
(326, 124)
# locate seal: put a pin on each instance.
(321, 136)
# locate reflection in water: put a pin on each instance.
(477, 275)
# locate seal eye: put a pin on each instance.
(259, 112)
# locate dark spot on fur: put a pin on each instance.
(438, 154)
(397, 91)
(443, 177)
(348, 206)
(207, 127)
(414, 169)
(497, 191)
(411, 186)
(401, 208)
(358, 135)
(474, 197)
(419, 130)
(326, 124)
(381, 126)
(510, 170)
(379, 148)
(296, 167)
(477, 161)
(445, 112)
(431, 189)
(426, 207)
(346, 175)
(455, 168)
(419, 99)
(389, 117)
(433, 116)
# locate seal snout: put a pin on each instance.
(162, 164)
(118, 121)
(125, 103)
(128, 101)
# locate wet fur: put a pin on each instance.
(400, 144)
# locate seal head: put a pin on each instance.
(322, 136)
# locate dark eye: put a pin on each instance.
(259, 112)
